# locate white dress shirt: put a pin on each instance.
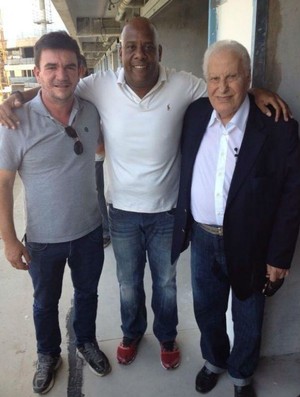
(215, 164)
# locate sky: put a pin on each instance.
(18, 16)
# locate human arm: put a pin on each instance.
(265, 98)
(100, 152)
(85, 89)
(14, 101)
(14, 250)
(285, 227)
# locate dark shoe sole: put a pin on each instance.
(245, 391)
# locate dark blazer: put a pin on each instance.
(262, 214)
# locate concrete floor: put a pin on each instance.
(276, 376)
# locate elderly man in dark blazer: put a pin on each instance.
(239, 205)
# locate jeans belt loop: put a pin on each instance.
(216, 230)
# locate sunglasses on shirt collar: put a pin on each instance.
(78, 147)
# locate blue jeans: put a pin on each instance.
(211, 288)
(85, 258)
(101, 197)
(133, 236)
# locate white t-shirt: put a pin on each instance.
(142, 136)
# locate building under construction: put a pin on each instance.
(17, 59)
(3, 77)
(20, 63)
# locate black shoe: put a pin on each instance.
(244, 391)
(206, 380)
(106, 241)
(44, 376)
(96, 359)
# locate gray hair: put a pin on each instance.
(230, 45)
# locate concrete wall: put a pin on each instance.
(282, 315)
(283, 54)
(183, 29)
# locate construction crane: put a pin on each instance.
(42, 14)
(3, 77)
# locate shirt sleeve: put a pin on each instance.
(86, 87)
(200, 88)
(10, 153)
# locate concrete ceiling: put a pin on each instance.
(96, 24)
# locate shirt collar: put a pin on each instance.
(239, 119)
(39, 107)
(121, 76)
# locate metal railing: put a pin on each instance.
(20, 61)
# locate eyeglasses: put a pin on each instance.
(78, 147)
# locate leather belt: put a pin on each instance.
(216, 230)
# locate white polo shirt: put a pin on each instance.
(142, 136)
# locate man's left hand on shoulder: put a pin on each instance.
(265, 98)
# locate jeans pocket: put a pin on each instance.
(116, 214)
(36, 247)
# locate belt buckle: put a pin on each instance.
(220, 231)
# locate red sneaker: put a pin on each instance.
(169, 355)
(127, 350)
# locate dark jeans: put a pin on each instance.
(101, 197)
(85, 258)
(133, 236)
(211, 288)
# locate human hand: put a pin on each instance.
(7, 117)
(17, 254)
(275, 273)
(265, 98)
(274, 280)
